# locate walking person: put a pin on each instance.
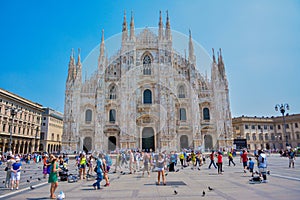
(262, 165)
(220, 163)
(9, 163)
(118, 162)
(146, 160)
(131, 161)
(16, 173)
(105, 170)
(160, 165)
(230, 158)
(46, 164)
(99, 170)
(244, 159)
(212, 160)
(251, 167)
(53, 176)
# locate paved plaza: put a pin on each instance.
(284, 183)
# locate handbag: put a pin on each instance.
(6, 169)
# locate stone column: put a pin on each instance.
(3, 144)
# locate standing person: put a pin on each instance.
(9, 163)
(193, 158)
(181, 158)
(146, 160)
(212, 160)
(244, 159)
(90, 165)
(99, 170)
(291, 155)
(220, 162)
(160, 164)
(46, 163)
(230, 158)
(118, 162)
(16, 173)
(82, 163)
(172, 162)
(262, 165)
(131, 161)
(53, 176)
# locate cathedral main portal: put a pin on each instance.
(148, 139)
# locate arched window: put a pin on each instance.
(206, 114)
(248, 136)
(181, 91)
(147, 65)
(88, 116)
(253, 137)
(112, 92)
(266, 136)
(147, 97)
(112, 116)
(182, 114)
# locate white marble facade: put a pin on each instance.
(147, 96)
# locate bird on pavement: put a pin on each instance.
(3, 182)
(166, 174)
(39, 179)
(30, 177)
(177, 170)
(175, 192)
(203, 193)
(28, 181)
(210, 188)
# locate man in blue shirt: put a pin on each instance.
(262, 165)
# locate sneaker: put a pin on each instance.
(17, 188)
(11, 188)
(264, 181)
(106, 185)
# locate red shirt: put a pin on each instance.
(220, 158)
(244, 157)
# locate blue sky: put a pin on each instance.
(259, 40)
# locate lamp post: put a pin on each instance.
(282, 108)
(13, 112)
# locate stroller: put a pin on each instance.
(63, 174)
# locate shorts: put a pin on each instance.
(159, 169)
(245, 164)
(262, 170)
(15, 176)
(82, 166)
(251, 170)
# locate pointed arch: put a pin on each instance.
(112, 91)
(181, 91)
(147, 62)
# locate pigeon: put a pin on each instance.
(177, 170)
(203, 193)
(268, 172)
(24, 171)
(30, 177)
(39, 179)
(28, 181)
(175, 192)
(31, 187)
(210, 188)
(35, 173)
(166, 174)
(3, 182)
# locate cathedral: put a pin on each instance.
(147, 96)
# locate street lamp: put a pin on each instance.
(13, 112)
(282, 109)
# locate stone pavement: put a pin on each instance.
(283, 183)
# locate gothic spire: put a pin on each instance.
(160, 27)
(78, 67)
(71, 66)
(214, 58)
(168, 28)
(102, 44)
(132, 27)
(74, 72)
(124, 28)
(191, 48)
